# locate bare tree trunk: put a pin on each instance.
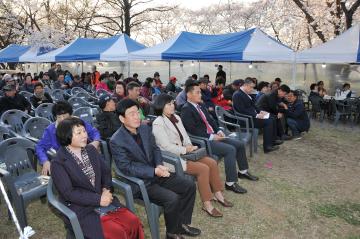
(349, 13)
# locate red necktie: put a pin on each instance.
(209, 129)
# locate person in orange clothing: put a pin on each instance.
(95, 77)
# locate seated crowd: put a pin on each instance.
(136, 142)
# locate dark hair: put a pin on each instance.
(103, 76)
(220, 66)
(135, 75)
(262, 84)
(53, 64)
(346, 84)
(206, 76)
(160, 102)
(294, 92)
(125, 104)
(131, 86)
(148, 82)
(320, 83)
(312, 86)
(194, 76)
(190, 87)
(277, 79)
(61, 107)
(248, 80)
(285, 88)
(64, 130)
(121, 83)
(37, 84)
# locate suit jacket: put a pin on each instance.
(131, 159)
(76, 191)
(269, 103)
(244, 104)
(168, 138)
(193, 122)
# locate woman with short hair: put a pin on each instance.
(84, 184)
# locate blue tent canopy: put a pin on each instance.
(18, 53)
(249, 45)
(114, 48)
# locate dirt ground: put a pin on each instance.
(308, 189)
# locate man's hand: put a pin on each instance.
(218, 138)
(162, 171)
(221, 134)
(46, 168)
(106, 198)
(280, 115)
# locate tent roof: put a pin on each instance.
(342, 49)
(19, 53)
(249, 45)
(114, 48)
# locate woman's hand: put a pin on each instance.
(106, 198)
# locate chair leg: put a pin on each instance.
(337, 117)
(251, 148)
(153, 221)
(256, 142)
(20, 212)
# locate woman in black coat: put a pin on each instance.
(84, 182)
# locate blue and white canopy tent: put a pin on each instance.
(18, 53)
(342, 49)
(114, 48)
(246, 46)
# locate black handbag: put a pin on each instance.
(195, 155)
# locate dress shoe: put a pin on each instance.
(270, 149)
(174, 236)
(287, 137)
(189, 231)
(248, 176)
(236, 188)
(213, 213)
(225, 203)
(278, 142)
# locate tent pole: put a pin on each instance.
(37, 68)
(294, 73)
(199, 68)
(230, 72)
(82, 67)
(128, 66)
(169, 69)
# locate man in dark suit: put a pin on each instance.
(197, 121)
(244, 104)
(271, 103)
(296, 116)
(135, 153)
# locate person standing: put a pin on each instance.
(221, 73)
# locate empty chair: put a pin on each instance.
(22, 181)
(86, 96)
(101, 92)
(87, 114)
(57, 95)
(45, 110)
(76, 102)
(5, 133)
(76, 90)
(26, 94)
(14, 119)
(34, 128)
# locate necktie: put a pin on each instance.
(209, 129)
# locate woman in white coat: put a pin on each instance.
(171, 136)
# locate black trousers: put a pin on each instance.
(233, 152)
(270, 130)
(177, 196)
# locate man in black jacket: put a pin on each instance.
(271, 103)
(12, 100)
(107, 121)
(244, 104)
(197, 121)
(296, 116)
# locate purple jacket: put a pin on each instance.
(49, 140)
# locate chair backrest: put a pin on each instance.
(76, 90)
(4, 133)
(45, 110)
(35, 127)
(26, 94)
(57, 95)
(17, 156)
(77, 102)
(15, 119)
(220, 113)
(86, 96)
(100, 92)
(87, 114)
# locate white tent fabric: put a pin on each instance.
(342, 49)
